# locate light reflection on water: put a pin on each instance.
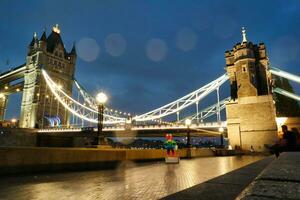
(150, 180)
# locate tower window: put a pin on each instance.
(244, 69)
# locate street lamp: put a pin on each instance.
(101, 100)
(221, 130)
(188, 122)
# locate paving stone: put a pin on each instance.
(225, 187)
(256, 198)
(285, 168)
(280, 180)
(287, 172)
(275, 189)
(152, 180)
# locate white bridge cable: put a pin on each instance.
(284, 74)
(208, 111)
(286, 93)
(183, 102)
(92, 102)
(82, 111)
(288, 76)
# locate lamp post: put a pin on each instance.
(221, 130)
(188, 122)
(101, 99)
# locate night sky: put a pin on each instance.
(144, 54)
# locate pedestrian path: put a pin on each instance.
(280, 180)
(150, 180)
(227, 186)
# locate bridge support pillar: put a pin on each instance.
(3, 105)
(251, 121)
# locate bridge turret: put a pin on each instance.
(33, 44)
(38, 103)
(43, 41)
(246, 66)
(251, 111)
(73, 54)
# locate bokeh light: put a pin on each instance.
(115, 44)
(88, 49)
(186, 39)
(156, 50)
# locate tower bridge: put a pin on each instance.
(54, 101)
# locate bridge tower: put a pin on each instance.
(251, 111)
(38, 103)
(3, 105)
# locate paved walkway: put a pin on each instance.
(280, 180)
(138, 181)
(225, 187)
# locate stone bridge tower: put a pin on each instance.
(38, 103)
(251, 111)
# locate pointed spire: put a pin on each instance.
(34, 39)
(73, 51)
(43, 37)
(244, 35)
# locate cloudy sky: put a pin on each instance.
(145, 54)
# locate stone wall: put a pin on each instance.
(251, 122)
(21, 159)
(18, 137)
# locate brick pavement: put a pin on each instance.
(225, 187)
(151, 180)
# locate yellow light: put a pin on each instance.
(56, 29)
(128, 121)
(13, 120)
(18, 90)
(38, 94)
(221, 129)
(101, 98)
(188, 122)
(2, 95)
(47, 96)
(281, 120)
(6, 87)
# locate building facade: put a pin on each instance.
(38, 103)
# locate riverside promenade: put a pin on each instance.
(280, 180)
(128, 180)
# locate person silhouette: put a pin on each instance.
(289, 137)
